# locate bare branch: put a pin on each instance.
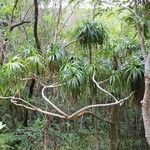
(62, 114)
(78, 113)
(12, 26)
(18, 24)
(16, 100)
(12, 14)
(93, 114)
(29, 106)
(26, 13)
(45, 98)
(120, 102)
(103, 81)
(74, 41)
(8, 97)
(54, 85)
(61, 28)
(97, 84)
(115, 5)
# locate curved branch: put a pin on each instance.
(98, 86)
(120, 102)
(78, 113)
(93, 114)
(18, 24)
(103, 81)
(29, 106)
(46, 99)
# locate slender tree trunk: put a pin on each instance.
(140, 29)
(146, 100)
(45, 141)
(90, 55)
(58, 20)
(114, 128)
(2, 55)
(114, 115)
(36, 15)
(97, 135)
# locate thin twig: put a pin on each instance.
(103, 81)
(12, 14)
(59, 30)
(26, 13)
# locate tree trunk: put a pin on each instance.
(146, 100)
(2, 56)
(114, 128)
(36, 15)
(58, 20)
(114, 115)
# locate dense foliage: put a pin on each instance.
(67, 49)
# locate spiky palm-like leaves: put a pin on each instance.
(91, 34)
(55, 54)
(135, 77)
(74, 75)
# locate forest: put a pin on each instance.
(74, 75)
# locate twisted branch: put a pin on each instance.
(98, 86)
(120, 102)
(62, 114)
(46, 99)
(16, 101)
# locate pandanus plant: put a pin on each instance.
(91, 34)
(73, 73)
(135, 78)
